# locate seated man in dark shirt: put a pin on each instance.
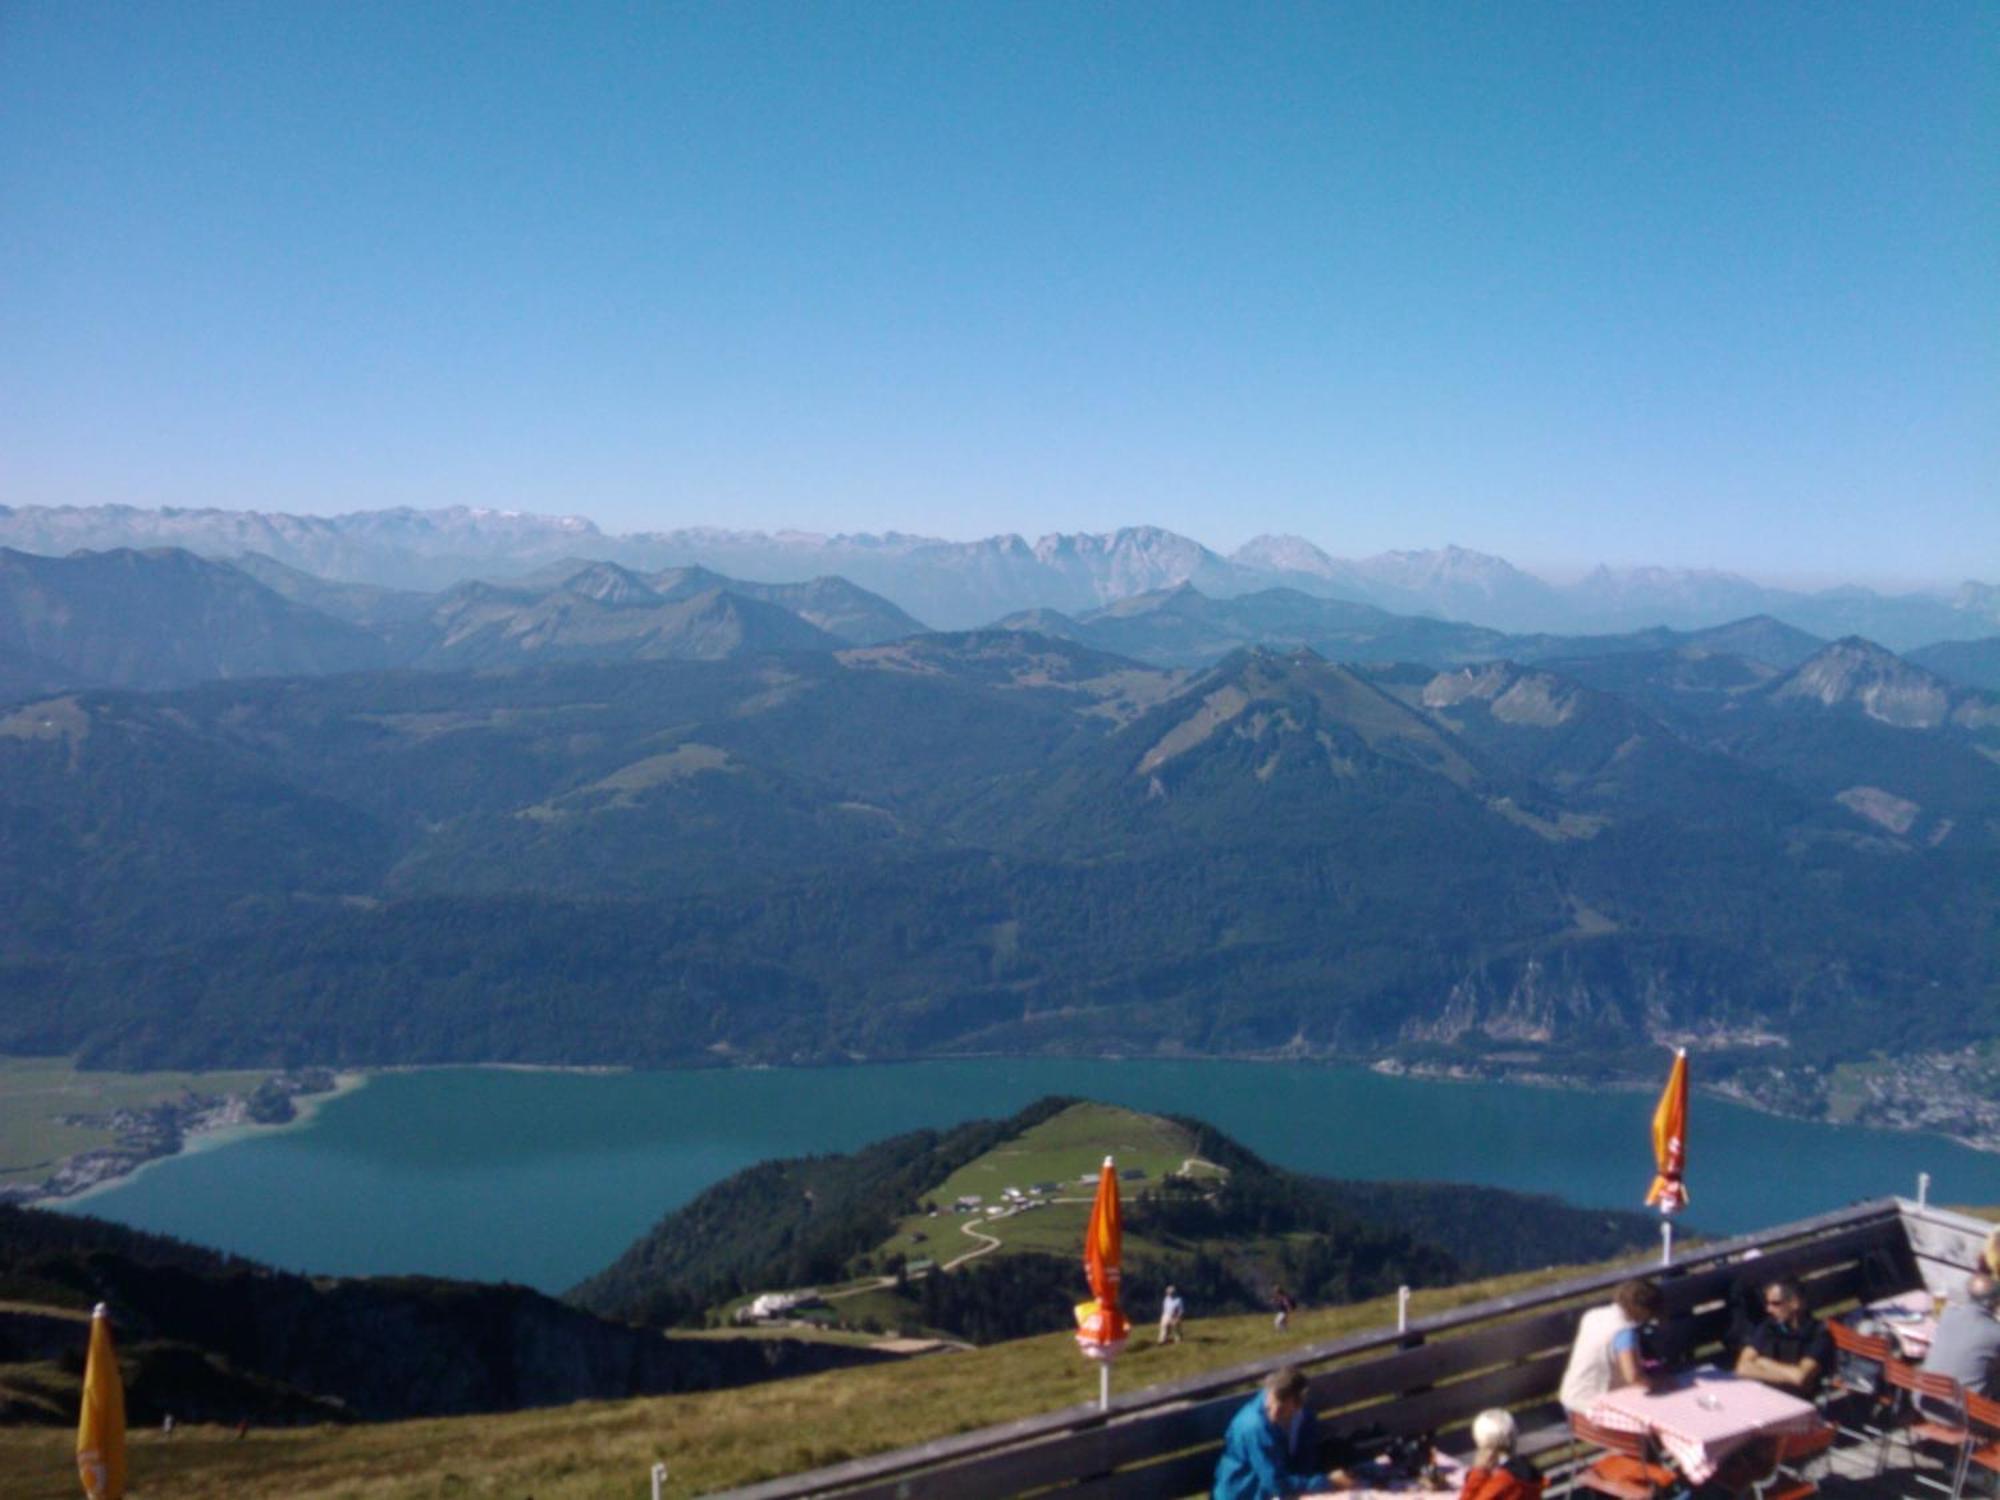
(1789, 1348)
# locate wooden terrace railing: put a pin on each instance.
(1433, 1376)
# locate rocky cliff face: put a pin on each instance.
(1661, 991)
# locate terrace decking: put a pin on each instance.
(1434, 1376)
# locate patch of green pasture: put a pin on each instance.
(1065, 1149)
(881, 1309)
(36, 1092)
(1068, 1148)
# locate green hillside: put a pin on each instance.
(892, 1239)
(210, 1337)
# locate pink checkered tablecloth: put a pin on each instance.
(1701, 1422)
(1371, 1482)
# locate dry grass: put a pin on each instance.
(714, 1440)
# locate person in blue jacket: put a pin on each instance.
(1272, 1444)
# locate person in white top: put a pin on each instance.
(1172, 1309)
(1606, 1352)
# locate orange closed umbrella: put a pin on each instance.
(1670, 1140)
(1100, 1322)
(1669, 1189)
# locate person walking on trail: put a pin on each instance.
(1172, 1310)
(1282, 1301)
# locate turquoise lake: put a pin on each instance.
(544, 1177)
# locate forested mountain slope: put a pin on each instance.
(995, 841)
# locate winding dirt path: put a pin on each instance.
(989, 1244)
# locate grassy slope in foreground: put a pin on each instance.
(601, 1450)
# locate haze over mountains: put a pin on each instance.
(593, 813)
(166, 618)
(954, 585)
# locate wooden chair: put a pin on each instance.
(1982, 1415)
(1626, 1470)
(1866, 1404)
(1788, 1479)
(1930, 1409)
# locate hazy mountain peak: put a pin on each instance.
(1652, 576)
(1858, 673)
(685, 583)
(1286, 554)
(607, 583)
(1980, 600)
(1179, 598)
(1050, 622)
(1127, 541)
(1513, 694)
(1758, 637)
(1295, 707)
(159, 617)
(1450, 561)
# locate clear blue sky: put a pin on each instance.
(1686, 283)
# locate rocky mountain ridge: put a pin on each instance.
(167, 618)
(955, 584)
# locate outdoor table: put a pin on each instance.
(1701, 1420)
(1373, 1481)
(1911, 1318)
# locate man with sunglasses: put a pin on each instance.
(1790, 1348)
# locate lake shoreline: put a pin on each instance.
(199, 1129)
(544, 1179)
(201, 1137)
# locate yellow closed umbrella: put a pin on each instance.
(100, 1427)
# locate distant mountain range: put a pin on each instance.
(1004, 842)
(166, 618)
(961, 584)
(1182, 626)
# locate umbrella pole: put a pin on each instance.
(1104, 1385)
(1666, 1241)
